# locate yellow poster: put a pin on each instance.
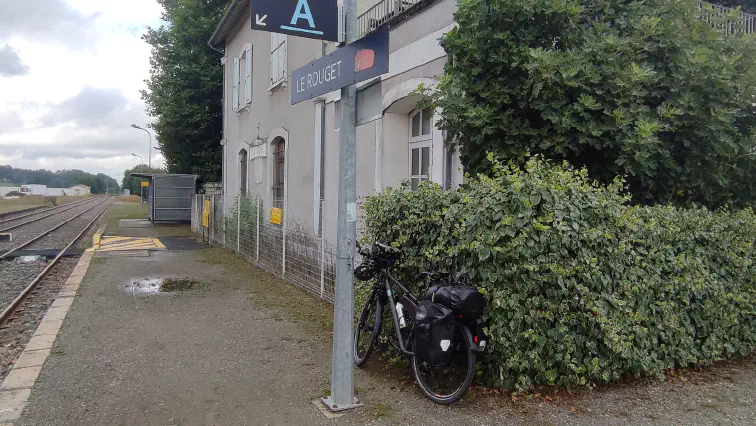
(275, 215)
(206, 214)
(145, 183)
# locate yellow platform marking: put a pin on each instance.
(129, 243)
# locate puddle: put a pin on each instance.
(30, 259)
(162, 285)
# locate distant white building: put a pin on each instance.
(34, 189)
(7, 189)
(79, 190)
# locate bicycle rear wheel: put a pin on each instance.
(446, 382)
(367, 329)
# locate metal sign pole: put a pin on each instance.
(342, 386)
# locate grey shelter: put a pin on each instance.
(169, 197)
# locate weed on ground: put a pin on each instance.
(290, 302)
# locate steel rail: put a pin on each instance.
(6, 314)
(43, 210)
(18, 225)
(4, 255)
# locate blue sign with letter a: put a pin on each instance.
(318, 19)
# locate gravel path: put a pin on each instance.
(13, 218)
(61, 237)
(31, 230)
(15, 277)
(15, 336)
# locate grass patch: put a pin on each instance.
(382, 410)
(57, 352)
(118, 211)
(179, 284)
(133, 210)
(271, 292)
(12, 208)
(128, 198)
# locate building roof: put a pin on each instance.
(227, 24)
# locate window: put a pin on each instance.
(235, 95)
(277, 58)
(420, 146)
(246, 64)
(279, 168)
(421, 125)
(420, 158)
(243, 171)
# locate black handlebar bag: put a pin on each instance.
(435, 329)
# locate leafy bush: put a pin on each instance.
(582, 288)
(642, 89)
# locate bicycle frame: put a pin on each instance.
(388, 280)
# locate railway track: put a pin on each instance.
(27, 229)
(17, 284)
(10, 217)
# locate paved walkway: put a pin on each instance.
(243, 348)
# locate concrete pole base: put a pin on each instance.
(328, 402)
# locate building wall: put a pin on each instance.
(272, 112)
(384, 108)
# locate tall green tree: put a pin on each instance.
(98, 183)
(133, 183)
(184, 91)
(641, 89)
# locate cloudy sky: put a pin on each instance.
(70, 76)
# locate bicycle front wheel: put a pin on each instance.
(367, 329)
(446, 382)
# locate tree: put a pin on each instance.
(61, 179)
(185, 87)
(132, 183)
(645, 90)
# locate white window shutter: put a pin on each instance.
(282, 57)
(248, 77)
(277, 57)
(235, 96)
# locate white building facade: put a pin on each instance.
(286, 156)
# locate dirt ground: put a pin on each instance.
(244, 348)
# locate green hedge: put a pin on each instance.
(582, 288)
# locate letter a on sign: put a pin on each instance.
(318, 19)
(303, 12)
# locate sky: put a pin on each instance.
(71, 72)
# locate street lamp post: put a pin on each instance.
(141, 188)
(149, 151)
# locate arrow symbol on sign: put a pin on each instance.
(261, 21)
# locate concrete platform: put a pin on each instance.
(135, 223)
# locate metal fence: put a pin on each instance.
(717, 16)
(381, 13)
(294, 250)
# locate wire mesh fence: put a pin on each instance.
(283, 241)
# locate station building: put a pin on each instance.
(286, 156)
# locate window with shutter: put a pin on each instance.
(277, 58)
(235, 95)
(248, 75)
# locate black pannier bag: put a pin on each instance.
(435, 328)
(462, 299)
